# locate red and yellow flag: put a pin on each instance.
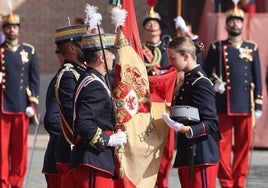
(140, 158)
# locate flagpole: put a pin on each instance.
(107, 78)
(178, 7)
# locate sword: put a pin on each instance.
(37, 123)
(192, 154)
(253, 122)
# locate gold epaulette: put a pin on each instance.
(201, 75)
(253, 43)
(213, 44)
(31, 46)
(67, 67)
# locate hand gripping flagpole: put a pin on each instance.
(37, 123)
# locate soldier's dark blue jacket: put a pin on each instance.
(65, 86)
(240, 67)
(20, 70)
(197, 91)
(52, 126)
(93, 123)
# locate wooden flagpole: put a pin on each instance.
(178, 7)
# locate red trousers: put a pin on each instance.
(204, 176)
(52, 180)
(87, 177)
(65, 177)
(13, 149)
(166, 161)
(233, 171)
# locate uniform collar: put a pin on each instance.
(236, 44)
(153, 45)
(11, 47)
(193, 71)
(79, 66)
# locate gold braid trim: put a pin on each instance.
(157, 58)
(30, 97)
(258, 101)
(96, 138)
(34, 99)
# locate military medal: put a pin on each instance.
(24, 56)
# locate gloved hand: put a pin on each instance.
(29, 111)
(219, 87)
(258, 114)
(118, 139)
(180, 23)
(171, 123)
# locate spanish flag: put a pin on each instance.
(140, 158)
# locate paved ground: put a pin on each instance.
(257, 177)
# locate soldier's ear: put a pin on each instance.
(101, 57)
(71, 47)
(186, 56)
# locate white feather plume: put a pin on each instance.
(93, 18)
(90, 10)
(236, 2)
(10, 6)
(118, 16)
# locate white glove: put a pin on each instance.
(219, 87)
(118, 139)
(180, 23)
(171, 123)
(1, 77)
(258, 114)
(29, 111)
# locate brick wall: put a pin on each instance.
(40, 19)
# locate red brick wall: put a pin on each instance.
(40, 19)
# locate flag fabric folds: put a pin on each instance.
(140, 158)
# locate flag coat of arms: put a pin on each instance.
(140, 158)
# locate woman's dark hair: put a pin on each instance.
(186, 45)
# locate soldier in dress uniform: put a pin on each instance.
(68, 40)
(53, 127)
(19, 76)
(154, 48)
(234, 65)
(197, 151)
(93, 156)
